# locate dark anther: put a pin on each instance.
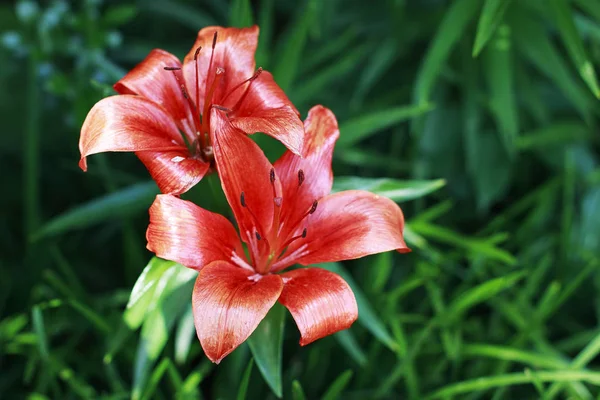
(257, 235)
(304, 233)
(243, 199)
(272, 175)
(184, 92)
(197, 52)
(172, 68)
(214, 40)
(313, 208)
(300, 177)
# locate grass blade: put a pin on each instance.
(489, 20)
(566, 25)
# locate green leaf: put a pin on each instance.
(337, 387)
(188, 16)
(266, 345)
(290, 58)
(491, 168)
(142, 294)
(37, 320)
(560, 133)
(173, 293)
(500, 77)
(451, 29)
(113, 206)
(396, 190)
(566, 25)
(317, 81)
(185, 335)
(245, 381)
(482, 293)
(489, 382)
(366, 315)
(241, 14)
(366, 125)
(490, 18)
(297, 392)
(535, 45)
(349, 343)
(119, 15)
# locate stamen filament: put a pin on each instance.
(208, 99)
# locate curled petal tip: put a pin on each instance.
(83, 164)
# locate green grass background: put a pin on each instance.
(499, 299)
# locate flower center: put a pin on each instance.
(269, 246)
(202, 144)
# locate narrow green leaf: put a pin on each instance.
(535, 45)
(590, 7)
(500, 77)
(366, 315)
(37, 320)
(170, 299)
(490, 382)
(482, 293)
(142, 293)
(266, 345)
(566, 25)
(560, 133)
(185, 335)
(188, 16)
(337, 387)
(490, 18)
(477, 246)
(349, 343)
(396, 190)
(451, 29)
(122, 203)
(379, 62)
(317, 81)
(245, 381)
(297, 392)
(290, 58)
(361, 127)
(241, 14)
(506, 353)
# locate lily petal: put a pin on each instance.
(234, 52)
(228, 304)
(174, 171)
(127, 123)
(150, 80)
(321, 133)
(181, 231)
(348, 225)
(266, 108)
(243, 168)
(320, 301)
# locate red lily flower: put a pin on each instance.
(285, 215)
(163, 110)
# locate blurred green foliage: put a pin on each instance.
(499, 298)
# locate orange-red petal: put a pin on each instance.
(243, 168)
(150, 80)
(320, 301)
(321, 133)
(228, 304)
(128, 123)
(266, 108)
(348, 225)
(181, 231)
(234, 52)
(174, 171)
